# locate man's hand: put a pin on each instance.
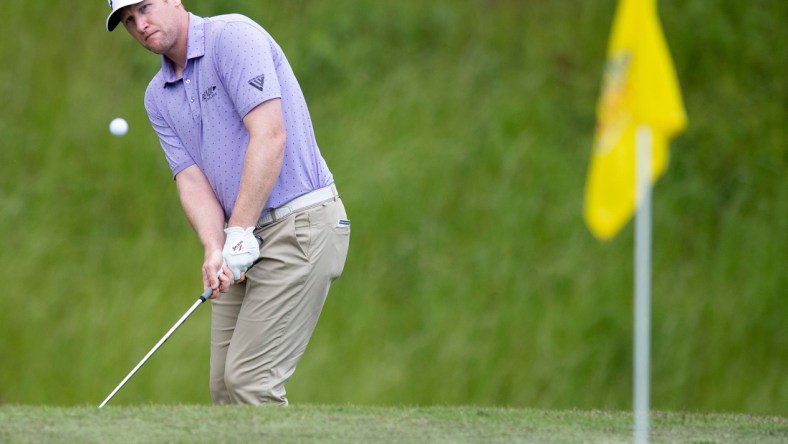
(241, 249)
(213, 273)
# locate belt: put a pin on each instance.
(310, 199)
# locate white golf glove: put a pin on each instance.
(241, 249)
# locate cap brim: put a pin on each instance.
(113, 20)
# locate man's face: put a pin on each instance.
(153, 23)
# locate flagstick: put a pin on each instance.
(642, 285)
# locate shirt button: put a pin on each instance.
(192, 100)
(188, 81)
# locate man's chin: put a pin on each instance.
(156, 49)
(153, 44)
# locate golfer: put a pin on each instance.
(236, 133)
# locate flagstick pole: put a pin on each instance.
(642, 310)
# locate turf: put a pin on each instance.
(341, 424)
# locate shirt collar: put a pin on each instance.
(195, 47)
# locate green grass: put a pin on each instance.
(459, 134)
(347, 423)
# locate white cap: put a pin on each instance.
(116, 5)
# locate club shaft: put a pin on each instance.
(183, 318)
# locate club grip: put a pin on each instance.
(206, 294)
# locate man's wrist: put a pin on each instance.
(213, 247)
(241, 221)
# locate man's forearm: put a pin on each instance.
(262, 163)
(261, 169)
(201, 207)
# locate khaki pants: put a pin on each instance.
(261, 327)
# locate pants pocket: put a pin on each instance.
(340, 240)
(302, 230)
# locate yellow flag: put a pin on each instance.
(639, 88)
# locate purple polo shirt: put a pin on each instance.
(232, 66)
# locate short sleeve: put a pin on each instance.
(246, 60)
(175, 153)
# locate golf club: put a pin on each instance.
(203, 297)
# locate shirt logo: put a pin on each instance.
(209, 94)
(258, 81)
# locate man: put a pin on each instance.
(237, 135)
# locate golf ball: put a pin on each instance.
(118, 127)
